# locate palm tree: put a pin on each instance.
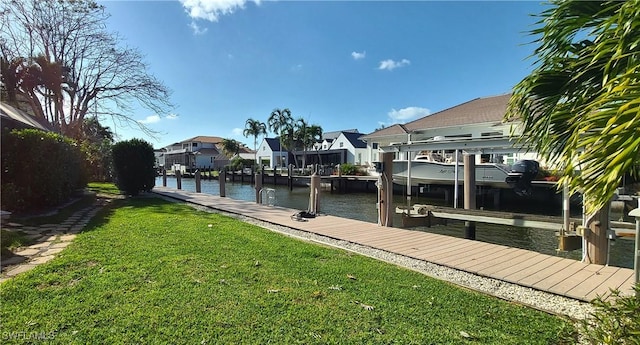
(230, 147)
(307, 135)
(254, 128)
(580, 107)
(280, 122)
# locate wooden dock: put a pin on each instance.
(565, 277)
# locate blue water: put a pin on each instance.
(362, 206)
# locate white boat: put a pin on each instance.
(433, 168)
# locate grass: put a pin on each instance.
(149, 271)
(12, 240)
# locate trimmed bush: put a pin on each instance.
(133, 164)
(39, 170)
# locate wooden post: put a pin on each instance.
(164, 177)
(222, 180)
(385, 207)
(259, 190)
(290, 177)
(596, 237)
(314, 194)
(198, 182)
(179, 179)
(469, 194)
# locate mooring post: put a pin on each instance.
(222, 180)
(290, 176)
(164, 177)
(469, 194)
(258, 190)
(636, 264)
(178, 179)
(596, 237)
(198, 182)
(385, 196)
(314, 194)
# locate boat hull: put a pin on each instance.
(422, 172)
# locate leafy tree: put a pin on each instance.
(254, 128)
(280, 122)
(230, 147)
(580, 107)
(57, 57)
(306, 135)
(133, 162)
(96, 142)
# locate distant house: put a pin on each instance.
(356, 149)
(478, 118)
(197, 152)
(269, 154)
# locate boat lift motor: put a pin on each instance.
(520, 176)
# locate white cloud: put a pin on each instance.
(391, 65)
(211, 10)
(237, 131)
(296, 68)
(150, 119)
(197, 30)
(407, 114)
(156, 118)
(358, 56)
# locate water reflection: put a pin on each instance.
(362, 206)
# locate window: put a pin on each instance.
(194, 144)
(341, 144)
(375, 146)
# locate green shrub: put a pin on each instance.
(39, 169)
(133, 164)
(614, 321)
(348, 169)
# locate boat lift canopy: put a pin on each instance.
(482, 145)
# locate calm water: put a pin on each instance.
(362, 206)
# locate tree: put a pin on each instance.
(133, 162)
(96, 142)
(230, 147)
(254, 128)
(580, 107)
(58, 58)
(306, 135)
(281, 123)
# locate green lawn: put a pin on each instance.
(152, 272)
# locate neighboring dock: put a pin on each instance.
(560, 276)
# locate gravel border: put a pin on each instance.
(541, 300)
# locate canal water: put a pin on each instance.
(362, 206)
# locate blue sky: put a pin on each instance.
(337, 64)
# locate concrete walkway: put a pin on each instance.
(49, 240)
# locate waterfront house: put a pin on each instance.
(335, 148)
(196, 152)
(270, 155)
(475, 119)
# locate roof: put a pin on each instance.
(479, 110)
(354, 139)
(203, 139)
(21, 118)
(208, 151)
(391, 130)
(274, 144)
(333, 135)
